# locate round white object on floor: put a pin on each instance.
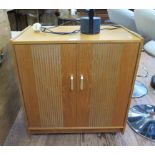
(149, 47)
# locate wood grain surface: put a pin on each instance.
(69, 97)
(107, 70)
(27, 82)
(117, 35)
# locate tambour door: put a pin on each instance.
(104, 81)
(48, 80)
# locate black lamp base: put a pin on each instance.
(153, 82)
(87, 28)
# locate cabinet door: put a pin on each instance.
(45, 74)
(105, 72)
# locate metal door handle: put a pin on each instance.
(72, 82)
(81, 82)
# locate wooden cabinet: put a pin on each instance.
(75, 86)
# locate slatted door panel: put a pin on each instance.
(105, 72)
(108, 74)
(42, 71)
(47, 72)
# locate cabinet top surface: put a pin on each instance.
(28, 36)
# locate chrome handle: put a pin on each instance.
(81, 82)
(72, 82)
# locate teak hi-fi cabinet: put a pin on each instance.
(76, 83)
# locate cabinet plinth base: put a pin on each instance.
(74, 130)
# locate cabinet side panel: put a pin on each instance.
(105, 71)
(27, 79)
(47, 72)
